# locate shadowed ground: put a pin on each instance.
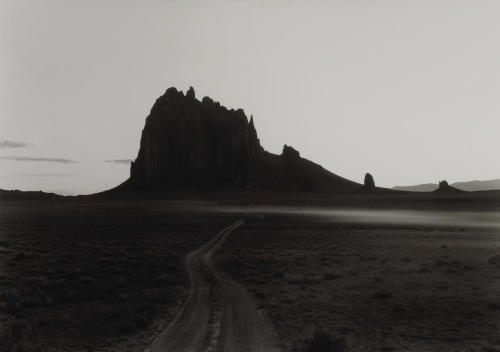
(377, 287)
(84, 276)
(110, 276)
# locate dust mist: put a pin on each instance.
(370, 216)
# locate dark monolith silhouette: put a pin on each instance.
(189, 143)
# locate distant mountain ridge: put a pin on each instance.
(191, 144)
(470, 186)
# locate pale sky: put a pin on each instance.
(406, 90)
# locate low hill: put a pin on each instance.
(476, 185)
(425, 187)
(470, 186)
(26, 195)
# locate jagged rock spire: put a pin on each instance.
(190, 93)
(369, 182)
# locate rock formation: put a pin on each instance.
(289, 153)
(189, 143)
(369, 182)
(192, 143)
(444, 187)
(443, 184)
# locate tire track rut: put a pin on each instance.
(219, 315)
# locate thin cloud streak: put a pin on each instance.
(119, 161)
(12, 144)
(35, 175)
(52, 160)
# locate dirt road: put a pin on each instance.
(219, 314)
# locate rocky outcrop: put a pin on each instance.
(190, 143)
(443, 184)
(369, 182)
(444, 187)
(289, 153)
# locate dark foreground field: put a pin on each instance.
(81, 275)
(371, 287)
(85, 277)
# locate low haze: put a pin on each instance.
(407, 91)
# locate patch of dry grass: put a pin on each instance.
(377, 287)
(81, 277)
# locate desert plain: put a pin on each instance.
(95, 275)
